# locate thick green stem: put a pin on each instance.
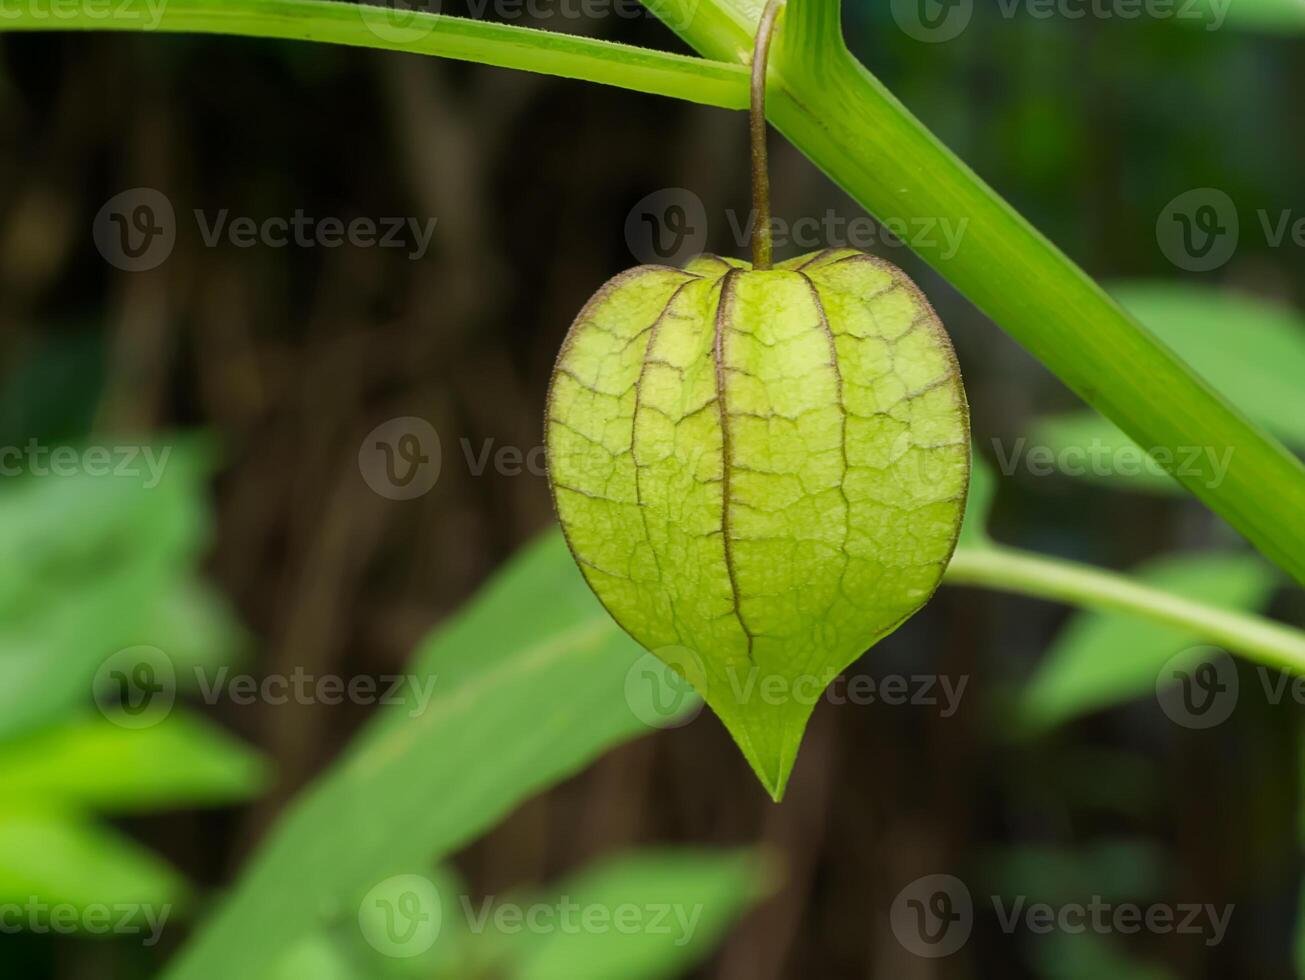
(1252, 637)
(360, 25)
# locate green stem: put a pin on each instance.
(762, 236)
(1008, 570)
(504, 45)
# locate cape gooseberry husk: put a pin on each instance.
(760, 473)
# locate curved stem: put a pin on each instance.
(762, 245)
(364, 25)
(1008, 570)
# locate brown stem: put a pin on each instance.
(762, 246)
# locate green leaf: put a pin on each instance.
(196, 626)
(761, 473)
(528, 688)
(1199, 322)
(93, 764)
(661, 913)
(1102, 659)
(58, 858)
(317, 957)
(84, 561)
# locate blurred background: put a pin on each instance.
(192, 501)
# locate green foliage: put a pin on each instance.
(419, 784)
(90, 763)
(90, 565)
(62, 858)
(84, 561)
(640, 915)
(701, 892)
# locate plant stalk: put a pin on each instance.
(762, 239)
(1008, 570)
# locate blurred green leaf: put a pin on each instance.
(1099, 660)
(317, 957)
(83, 562)
(58, 858)
(529, 683)
(675, 906)
(195, 625)
(92, 763)
(1204, 325)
